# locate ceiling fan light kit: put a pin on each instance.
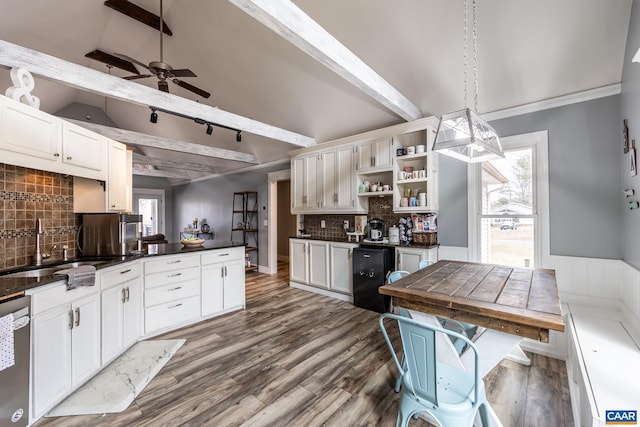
(462, 134)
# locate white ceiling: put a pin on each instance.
(528, 51)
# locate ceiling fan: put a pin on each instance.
(160, 69)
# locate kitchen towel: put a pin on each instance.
(7, 354)
(85, 275)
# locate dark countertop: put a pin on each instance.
(13, 285)
(344, 240)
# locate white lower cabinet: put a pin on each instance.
(121, 309)
(408, 259)
(171, 291)
(222, 280)
(319, 264)
(341, 267)
(322, 264)
(65, 346)
(298, 261)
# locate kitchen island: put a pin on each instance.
(76, 332)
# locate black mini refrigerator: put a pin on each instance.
(371, 264)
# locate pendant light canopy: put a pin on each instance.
(463, 134)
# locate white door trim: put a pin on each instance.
(153, 192)
(272, 215)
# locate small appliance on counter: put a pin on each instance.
(394, 235)
(110, 234)
(375, 230)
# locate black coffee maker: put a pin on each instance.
(375, 229)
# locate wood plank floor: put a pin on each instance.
(294, 358)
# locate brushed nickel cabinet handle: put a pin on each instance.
(70, 319)
(175, 261)
(127, 292)
(124, 296)
(125, 271)
(175, 289)
(174, 306)
(77, 316)
(175, 275)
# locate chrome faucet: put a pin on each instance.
(37, 257)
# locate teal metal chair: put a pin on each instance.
(452, 396)
(396, 275)
(424, 263)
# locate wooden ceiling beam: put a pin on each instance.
(290, 22)
(163, 163)
(181, 174)
(50, 67)
(143, 140)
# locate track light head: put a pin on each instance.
(238, 137)
(209, 129)
(154, 116)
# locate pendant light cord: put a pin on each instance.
(466, 55)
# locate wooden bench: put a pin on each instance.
(603, 364)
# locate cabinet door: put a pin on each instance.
(313, 182)
(117, 184)
(51, 357)
(85, 339)
(340, 257)
(132, 315)
(112, 322)
(382, 153)
(408, 259)
(297, 183)
(364, 157)
(345, 178)
(233, 284)
(298, 264)
(81, 147)
(319, 264)
(212, 288)
(25, 130)
(327, 194)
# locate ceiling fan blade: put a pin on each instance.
(109, 59)
(139, 14)
(192, 88)
(141, 76)
(183, 72)
(163, 85)
(128, 58)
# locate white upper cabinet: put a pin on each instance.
(34, 139)
(374, 155)
(117, 183)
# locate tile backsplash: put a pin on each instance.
(379, 207)
(27, 194)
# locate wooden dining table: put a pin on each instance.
(508, 303)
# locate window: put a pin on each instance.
(150, 204)
(508, 199)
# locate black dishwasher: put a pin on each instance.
(371, 264)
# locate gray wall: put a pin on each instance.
(584, 179)
(140, 181)
(286, 221)
(212, 199)
(630, 109)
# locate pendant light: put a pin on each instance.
(463, 134)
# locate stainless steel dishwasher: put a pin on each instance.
(14, 380)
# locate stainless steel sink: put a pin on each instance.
(48, 271)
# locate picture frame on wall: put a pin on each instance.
(625, 136)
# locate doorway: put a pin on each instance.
(275, 218)
(149, 203)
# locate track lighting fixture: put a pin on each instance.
(209, 130)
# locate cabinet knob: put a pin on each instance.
(56, 154)
(68, 157)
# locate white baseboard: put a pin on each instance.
(325, 292)
(283, 258)
(264, 269)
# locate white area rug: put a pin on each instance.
(116, 386)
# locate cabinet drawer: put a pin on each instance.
(172, 313)
(56, 294)
(171, 292)
(169, 263)
(119, 274)
(171, 277)
(222, 255)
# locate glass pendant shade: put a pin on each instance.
(465, 136)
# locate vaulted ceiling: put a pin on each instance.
(528, 51)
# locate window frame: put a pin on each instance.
(538, 141)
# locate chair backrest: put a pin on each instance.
(397, 275)
(424, 263)
(419, 345)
